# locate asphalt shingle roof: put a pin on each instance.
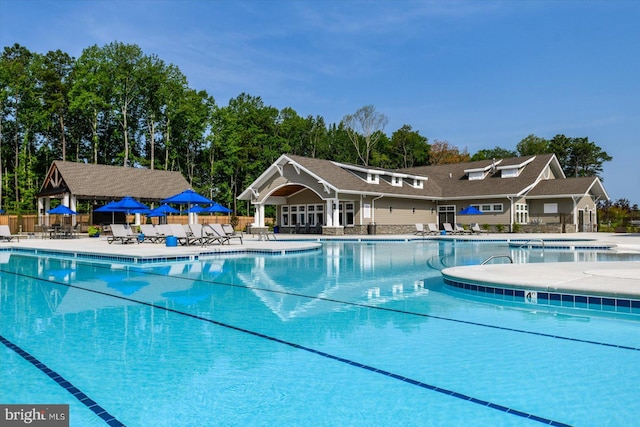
(444, 181)
(566, 187)
(90, 181)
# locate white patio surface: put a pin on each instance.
(599, 278)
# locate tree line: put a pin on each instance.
(116, 105)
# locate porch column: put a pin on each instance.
(47, 206)
(72, 205)
(258, 216)
(336, 214)
(329, 214)
(40, 211)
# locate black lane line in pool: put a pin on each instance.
(448, 319)
(407, 380)
(83, 398)
(393, 310)
(413, 313)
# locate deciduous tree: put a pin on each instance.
(365, 128)
(443, 153)
(532, 145)
(409, 148)
(578, 156)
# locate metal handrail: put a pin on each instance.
(532, 240)
(497, 256)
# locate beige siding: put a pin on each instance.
(491, 218)
(404, 211)
(537, 214)
(305, 197)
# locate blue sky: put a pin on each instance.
(478, 74)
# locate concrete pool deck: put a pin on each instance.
(620, 279)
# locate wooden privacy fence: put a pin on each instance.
(28, 223)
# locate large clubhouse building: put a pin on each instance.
(526, 194)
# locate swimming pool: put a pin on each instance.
(354, 334)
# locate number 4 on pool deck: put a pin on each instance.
(531, 297)
(34, 415)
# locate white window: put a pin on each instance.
(348, 214)
(550, 208)
(496, 207)
(522, 213)
(476, 175)
(373, 178)
(396, 181)
(418, 183)
(509, 173)
(314, 214)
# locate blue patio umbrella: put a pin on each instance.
(470, 210)
(196, 209)
(127, 204)
(1, 211)
(130, 205)
(187, 197)
(165, 209)
(61, 210)
(161, 211)
(217, 207)
(109, 207)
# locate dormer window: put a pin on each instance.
(481, 172)
(418, 183)
(509, 173)
(513, 170)
(373, 178)
(473, 176)
(396, 181)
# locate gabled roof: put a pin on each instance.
(455, 182)
(440, 182)
(102, 182)
(343, 177)
(569, 187)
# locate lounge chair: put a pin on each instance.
(151, 233)
(206, 234)
(216, 233)
(5, 234)
(461, 230)
(163, 230)
(433, 229)
(228, 229)
(420, 230)
(178, 231)
(217, 228)
(475, 228)
(448, 228)
(119, 233)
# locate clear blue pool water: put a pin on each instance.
(355, 334)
